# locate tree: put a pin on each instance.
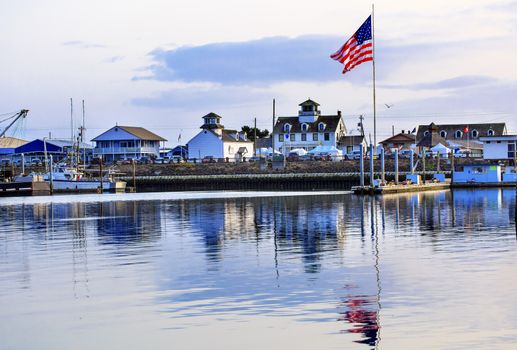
(250, 132)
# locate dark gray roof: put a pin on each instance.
(431, 140)
(212, 115)
(450, 129)
(331, 122)
(400, 138)
(232, 136)
(309, 102)
(264, 142)
(350, 140)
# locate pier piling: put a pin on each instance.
(411, 162)
(383, 169)
(361, 166)
(396, 167)
(371, 166)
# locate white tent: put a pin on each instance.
(299, 151)
(326, 149)
(441, 149)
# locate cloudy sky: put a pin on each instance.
(163, 64)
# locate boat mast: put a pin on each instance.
(83, 130)
(71, 131)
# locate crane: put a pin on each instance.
(16, 116)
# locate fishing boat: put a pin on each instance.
(70, 179)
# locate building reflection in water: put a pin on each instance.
(304, 225)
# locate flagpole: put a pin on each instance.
(373, 66)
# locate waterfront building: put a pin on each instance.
(464, 137)
(349, 144)
(219, 143)
(59, 149)
(124, 142)
(8, 146)
(477, 173)
(179, 151)
(499, 147)
(401, 141)
(309, 129)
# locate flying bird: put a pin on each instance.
(389, 105)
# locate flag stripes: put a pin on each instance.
(358, 49)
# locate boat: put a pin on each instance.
(70, 179)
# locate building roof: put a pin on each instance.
(309, 102)
(450, 129)
(66, 143)
(431, 140)
(138, 132)
(498, 138)
(212, 115)
(350, 140)
(264, 142)
(142, 133)
(11, 142)
(51, 145)
(400, 138)
(331, 123)
(231, 136)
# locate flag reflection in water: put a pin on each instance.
(361, 312)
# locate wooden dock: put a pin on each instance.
(368, 190)
(37, 188)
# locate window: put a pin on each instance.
(326, 136)
(304, 127)
(321, 126)
(307, 108)
(426, 133)
(443, 133)
(314, 136)
(293, 137)
(304, 137)
(490, 132)
(511, 150)
(475, 133)
(287, 128)
(458, 134)
(281, 137)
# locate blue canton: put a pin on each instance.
(364, 32)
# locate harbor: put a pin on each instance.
(258, 175)
(321, 264)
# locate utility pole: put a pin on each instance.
(71, 121)
(361, 118)
(273, 130)
(255, 138)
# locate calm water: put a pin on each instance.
(196, 271)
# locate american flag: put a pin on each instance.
(358, 49)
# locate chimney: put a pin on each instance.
(402, 131)
(339, 114)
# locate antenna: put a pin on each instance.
(83, 128)
(71, 121)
